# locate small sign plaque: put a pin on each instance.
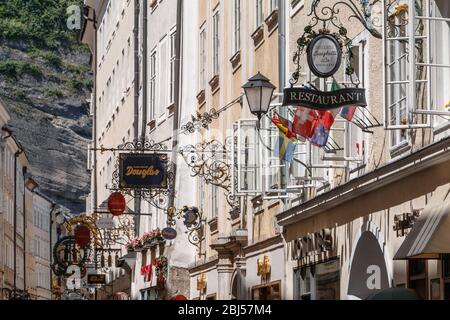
(106, 223)
(324, 55)
(96, 279)
(169, 233)
(143, 171)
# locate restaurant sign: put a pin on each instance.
(323, 101)
(143, 171)
(312, 244)
(96, 279)
(324, 55)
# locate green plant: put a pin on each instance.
(9, 68)
(53, 92)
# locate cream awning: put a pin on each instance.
(430, 235)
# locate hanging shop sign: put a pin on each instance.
(82, 236)
(96, 279)
(323, 101)
(143, 171)
(106, 223)
(368, 270)
(264, 268)
(312, 244)
(190, 216)
(117, 204)
(324, 55)
(169, 233)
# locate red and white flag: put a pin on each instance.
(304, 119)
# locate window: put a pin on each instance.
(271, 291)
(317, 282)
(214, 202)
(216, 44)
(202, 59)
(152, 85)
(273, 5)
(417, 274)
(417, 68)
(259, 13)
(440, 75)
(248, 158)
(237, 25)
(172, 67)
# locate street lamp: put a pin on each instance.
(259, 92)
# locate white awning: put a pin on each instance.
(430, 235)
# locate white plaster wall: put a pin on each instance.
(277, 262)
(212, 283)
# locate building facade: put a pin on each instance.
(4, 118)
(359, 235)
(172, 73)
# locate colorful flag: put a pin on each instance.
(320, 135)
(304, 121)
(284, 125)
(348, 112)
(285, 149)
(286, 142)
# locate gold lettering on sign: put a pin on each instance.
(142, 171)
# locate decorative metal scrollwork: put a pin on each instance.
(397, 18)
(193, 221)
(137, 146)
(210, 161)
(157, 197)
(66, 253)
(327, 17)
(364, 14)
(122, 234)
(203, 121)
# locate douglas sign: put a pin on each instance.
(146, 171)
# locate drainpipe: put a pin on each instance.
(177, 103)
(137, 201)
(282, 75)
(144, 71)
(24, 173)
(94, 106)
(51, 247)
(16, 155)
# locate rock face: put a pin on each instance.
(46, 92)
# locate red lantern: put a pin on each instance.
(116, 204)
(180, 297)
(82, 236)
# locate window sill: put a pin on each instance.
(296, 6)
(441, 128)
(400, 149)
(272, 21)
(258, 36)
(152, 124)
(235, 214)
(201, 97)
(213, 224)
(153, 5)
(171, 109)
(214, 83)
(236, 61)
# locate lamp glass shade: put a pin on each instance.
(259, 92)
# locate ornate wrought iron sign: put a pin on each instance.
(96, 279)
(150, 172)
(169, 233)
(147, 171)
(210, 161)
(320, 100)
(324, 55)
(193, 220)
